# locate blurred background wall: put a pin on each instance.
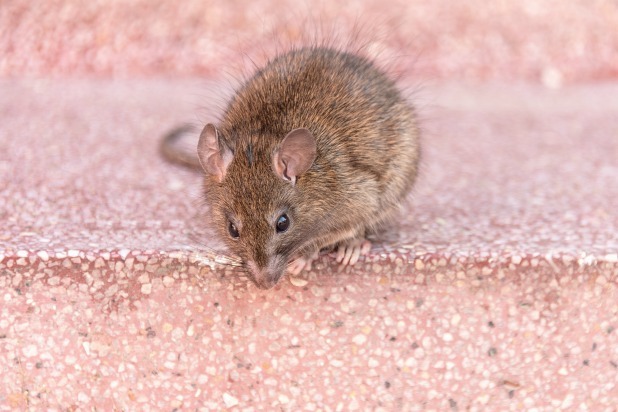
(552, 41)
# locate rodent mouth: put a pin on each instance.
(264, 279)
(266, 284)
(263, 286)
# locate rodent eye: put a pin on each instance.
(233, 230)
(283, 223)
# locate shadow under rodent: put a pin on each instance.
(318, 149)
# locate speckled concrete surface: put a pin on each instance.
(500, 291)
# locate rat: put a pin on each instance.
(316, 151)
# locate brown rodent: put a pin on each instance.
(317, 150)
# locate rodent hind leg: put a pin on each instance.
(349, 251)
(301, 263)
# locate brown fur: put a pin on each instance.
(366, 162)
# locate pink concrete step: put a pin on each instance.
(499, 292)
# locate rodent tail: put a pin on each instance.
(179, 146)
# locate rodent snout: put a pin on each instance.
(267, 277)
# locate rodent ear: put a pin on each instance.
(295, 155)
(213, 154)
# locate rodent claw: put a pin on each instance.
(349, 252)
(295, 267)
(301, 263)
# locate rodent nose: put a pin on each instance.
(265, 285)
(263, 278)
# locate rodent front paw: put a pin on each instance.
(349, 251)
(301, 263)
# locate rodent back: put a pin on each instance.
(336, 93)
(355, 111)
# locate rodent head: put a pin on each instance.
(253, 193)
